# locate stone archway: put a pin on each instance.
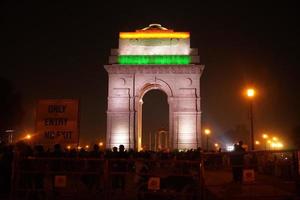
(128, 83)
(160, 85)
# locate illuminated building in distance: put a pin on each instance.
(154, 58)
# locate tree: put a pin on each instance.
(11, 111)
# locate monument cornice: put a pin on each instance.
(154, 69)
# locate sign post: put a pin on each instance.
(57, 122)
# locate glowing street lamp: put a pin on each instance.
(250, 95)
(279, 145)
(276, 145)
(28, 137)
(257, 142)
(250, 92)
(265, 137)
(207, 133)
(217, 146)
(100, 144)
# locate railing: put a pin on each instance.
(128, 178)
(90, 178)
(275, 175)
(282, 164)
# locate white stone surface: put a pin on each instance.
(127, 86)
(166, 46)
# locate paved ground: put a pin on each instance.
(219, 185)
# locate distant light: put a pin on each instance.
(87, 146)
(9, 131)
(216, 144)
(28, 136)
(69, 147)
(276, 145)
(79, 147)
(250, 92)
(100, 144)
(207, 131)
(229, 147)
(275, 138)
(257, 142)
(280, 145)
(269, 141)
(265, 136)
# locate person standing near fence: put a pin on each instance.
(237, 162)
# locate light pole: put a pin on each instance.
(217, 146)
(207, 133)
(250, 95)
(257, 143)
(265, 137)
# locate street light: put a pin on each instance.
(250, 95)
(28, 137)
(217, 146)
(207, 133)
(265, 137)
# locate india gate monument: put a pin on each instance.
(154, 58)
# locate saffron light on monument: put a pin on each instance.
(148, 35)
(156, 41)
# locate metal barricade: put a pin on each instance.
(116, 178)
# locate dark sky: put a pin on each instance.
(57, 50)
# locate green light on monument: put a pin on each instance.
(155, 59)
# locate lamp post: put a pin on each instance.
(257, 142)
(207, 133)
(265, 137)
(250, 95)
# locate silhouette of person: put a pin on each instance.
(237, 162)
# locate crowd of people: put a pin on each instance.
(62, 159)
(24, 151)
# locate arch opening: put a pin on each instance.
(155, 120)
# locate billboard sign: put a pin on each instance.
(57, 122)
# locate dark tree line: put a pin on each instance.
(11, 111)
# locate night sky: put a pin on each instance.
(57, 50)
